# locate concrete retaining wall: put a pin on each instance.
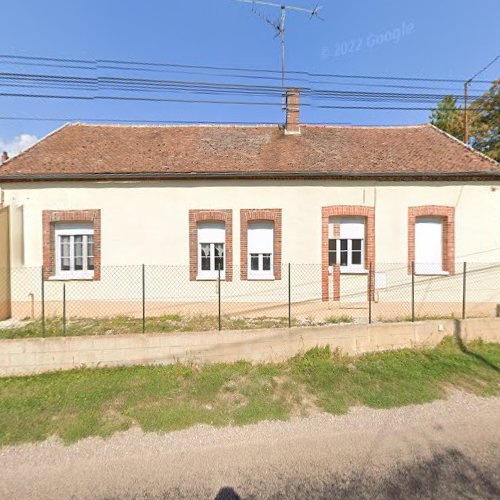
(29, 356)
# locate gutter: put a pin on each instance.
(247, 175)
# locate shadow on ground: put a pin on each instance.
(446, 475)
(463, 347)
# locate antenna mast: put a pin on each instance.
(279, 26)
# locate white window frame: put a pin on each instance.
(260, 274)
(73, 229)
(350, 268)
(212, 273)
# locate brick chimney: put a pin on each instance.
(5, 157)
(292, 112)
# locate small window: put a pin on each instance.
(74, 243)
(348, 249)
(429, 245)
(261, 250)
(211, 250)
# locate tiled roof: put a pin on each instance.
(87, 149)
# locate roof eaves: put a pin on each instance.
(469, 148)
(232, 174)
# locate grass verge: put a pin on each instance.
(82, 403)
(119, 325)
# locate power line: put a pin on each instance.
(164, 122)
(252, 77)
(206, 101)
(493, 61)
(210, 88)
(98, 63)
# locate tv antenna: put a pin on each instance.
(279, 27)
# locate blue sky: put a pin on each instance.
(424, 38)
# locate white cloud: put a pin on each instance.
(18, 144)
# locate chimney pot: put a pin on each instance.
(5, 156)
(292, 112)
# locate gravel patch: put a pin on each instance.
(445, 448)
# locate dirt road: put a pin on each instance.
(447, 449)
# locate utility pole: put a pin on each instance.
(279, 26)
(466, 97)
(466, 111)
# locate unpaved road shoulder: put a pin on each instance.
(446, 449)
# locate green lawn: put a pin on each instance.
(83, 403)
(119, 325)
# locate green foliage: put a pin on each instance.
(81, 403)
(484, 120)
(449, 117)
(485, 113)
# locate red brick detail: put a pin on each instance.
(49, 220)
(197, 216)
(345, 211)
(293, 111)
(448, 216)
(254, 215)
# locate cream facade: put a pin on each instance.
(146, 222)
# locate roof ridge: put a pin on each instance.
(240, 125)
(167, 125)
(469, 148)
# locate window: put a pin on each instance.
(429, 245)
(260, 250)
(211, 250)
(74, 244)
(347, 249)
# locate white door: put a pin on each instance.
(429, 245)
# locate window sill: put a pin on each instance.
(351, 270)
(210, 278)
(261, 277)
(74, 277)
(432, 273)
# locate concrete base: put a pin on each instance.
(313, 309)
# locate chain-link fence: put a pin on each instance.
(154, 298)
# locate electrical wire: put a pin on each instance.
(94, 64)
(493, 61)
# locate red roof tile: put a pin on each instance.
(81, 149)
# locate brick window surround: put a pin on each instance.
(448, 216)
(49, 220)
(197, 216)
(368, 213)
(248, 216)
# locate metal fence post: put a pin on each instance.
(289, 295)
(370, 284)
(464, 290)
(413, 291)
(42, 296)
(219, 297)
(143, 298)
(64, 309)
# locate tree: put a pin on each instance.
(449, 117)
(485, 122)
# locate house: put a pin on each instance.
(241, 202)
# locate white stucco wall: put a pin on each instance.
(147, 223)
